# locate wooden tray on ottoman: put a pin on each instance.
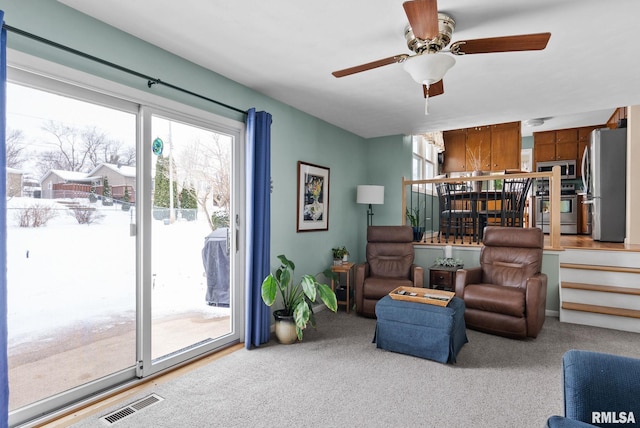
(422, 295)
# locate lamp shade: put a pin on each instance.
(428, 69)
(368, 194)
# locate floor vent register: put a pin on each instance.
(131, 409)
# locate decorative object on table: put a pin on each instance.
(369, 194)
(340, 255)
(448, 251)
(413, 216)
(449, 262)
(345, 256)
(313, 198)
(296, 297)
(422, 295)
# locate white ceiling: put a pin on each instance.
(287, 50)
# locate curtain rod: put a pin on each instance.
(150, 80)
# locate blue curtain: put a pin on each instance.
(258, 226)
(4, 375)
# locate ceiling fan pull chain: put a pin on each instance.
(426, 102)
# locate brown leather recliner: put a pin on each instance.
(506, 295)
(389, 265)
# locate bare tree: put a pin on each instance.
(15, 148)
(97, 145)
(207, 165)
(70, 154)
(82, 149)
(127, 156)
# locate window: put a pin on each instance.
(425, 158)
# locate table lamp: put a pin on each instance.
(368, 194)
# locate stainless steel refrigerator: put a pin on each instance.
(604, 175)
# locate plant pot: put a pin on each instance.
(337, 262)
(285, 327)
(341, 294)
(418, 232)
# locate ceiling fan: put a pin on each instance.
(428, 33)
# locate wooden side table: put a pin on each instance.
(443, 277)
(345, 268)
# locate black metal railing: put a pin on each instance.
(455, 210)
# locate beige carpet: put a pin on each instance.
(336, 377)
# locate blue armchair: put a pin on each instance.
(600, 390)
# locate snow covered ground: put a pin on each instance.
(66, 273)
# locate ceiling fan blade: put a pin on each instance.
(524, 42)
(423, 18)
(370, 65)
(435, 89)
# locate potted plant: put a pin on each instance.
(291, 320)
(414, 219)
(345, 254)
(339, 254)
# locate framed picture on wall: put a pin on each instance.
(313, 197)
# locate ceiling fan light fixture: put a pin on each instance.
(427, 69)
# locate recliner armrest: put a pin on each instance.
(417, 275)
(536, 290)
(362, 271)
(536, 302)
(467, 276)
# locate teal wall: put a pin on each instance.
(296, 136)
(388, 160)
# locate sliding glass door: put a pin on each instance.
(121, 240)
(191, 247)
(71, 258)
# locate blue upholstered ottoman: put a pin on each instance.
(422, 330)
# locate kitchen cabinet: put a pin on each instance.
(495, 147)
(504, 153)
(555, 145)
(544, 148)
(562, 144)
(567, 144)
(455, 143)
(478, 150)
(616, 117)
